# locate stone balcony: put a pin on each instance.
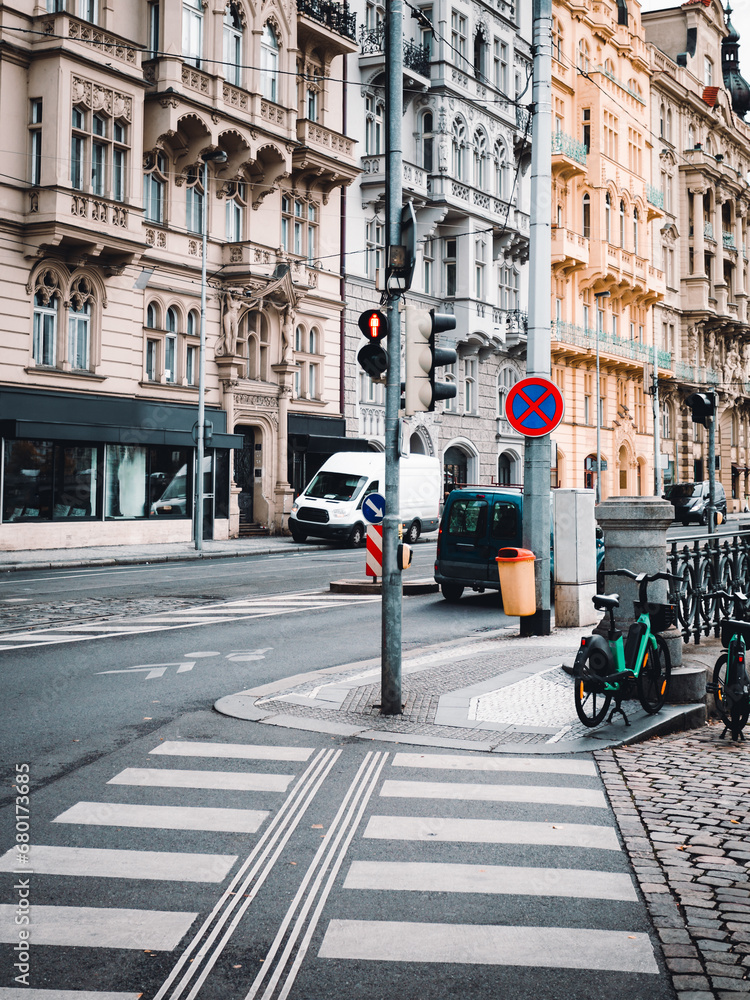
(570, 251)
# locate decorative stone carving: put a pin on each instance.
(230, 325)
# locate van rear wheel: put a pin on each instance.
(413, 532)
(452, 592)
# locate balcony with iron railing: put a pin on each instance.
(416, 56)
(568, 156)
(579, 336)
(728, 241)
(654, 196)
(334, 16)
(695, 374)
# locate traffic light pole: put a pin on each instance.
(390, 677)
(536, 483)
(711, 428)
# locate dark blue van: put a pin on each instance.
(475, 524)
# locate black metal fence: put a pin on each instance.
(705, 565)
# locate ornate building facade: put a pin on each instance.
(115, 110)
(466, 146)
(701, 156)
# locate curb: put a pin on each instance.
(425, 586)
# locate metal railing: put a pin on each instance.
(568, 333)
(654, 196)
(416, 57)
(335, 16)
(568, 146)
(706, 565)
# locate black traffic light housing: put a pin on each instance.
(703, 404)
(372, 357)
(423, 390)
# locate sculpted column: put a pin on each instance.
(283, 492)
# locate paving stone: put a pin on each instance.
(673, 935)
(684, 965)
(724, 983)
(690, 983)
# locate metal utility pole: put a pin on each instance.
(657, 427)
(536, 484)
(598, 296)
(390, 677)
(711, 427)
(216, 156)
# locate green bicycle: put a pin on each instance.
(731, 685)
(603, 666)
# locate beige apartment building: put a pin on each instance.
(606, 216)
(109, 114)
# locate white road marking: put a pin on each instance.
(99, 927)
(591, 798)
(458, 762)
(163, 817)
(476, 944)
(165, 866)
(160, 777)
(153, 670)
(238, 751)
(29, 993)
(412, 876)
(491, 831)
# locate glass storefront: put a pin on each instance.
(51, 481)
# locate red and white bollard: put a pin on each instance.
(374, 558)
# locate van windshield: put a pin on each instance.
(685, 490)
(335, 486)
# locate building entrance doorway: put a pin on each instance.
(244, 475)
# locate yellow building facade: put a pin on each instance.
(606, 217)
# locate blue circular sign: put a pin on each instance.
(373, 508)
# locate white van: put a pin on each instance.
(331, 505)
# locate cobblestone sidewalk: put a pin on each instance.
(683, 806)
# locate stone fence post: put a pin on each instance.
(635, 538)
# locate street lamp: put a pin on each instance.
(215, 156)
(597, 399)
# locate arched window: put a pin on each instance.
(152, 316)
(691, 137)
(269, 64)
(459, 150)
(622, 224)
(232, 44)
(374, 113)
(608, 217)
(312, 110)
(635, 231)
(501, 167)
(506, 379)
(46, 309)
(193, 324)
(662, 122)
(480, 159)
(170, 346)
(236, 201)
(668, 135)
(428, 142)
(480, 56)
(154, 187)
(666, 421)
(194, 201)
(79, 324)
(586, 216)
(583, 56)
(609, 69)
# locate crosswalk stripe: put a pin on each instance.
(160, 777)
(164, 866)
(29, 993)
(459, 762)
(535, 794)
(239, 751)
(163, 817)
(99, 927)
(491, 831)
(476, 944)
(416, 876)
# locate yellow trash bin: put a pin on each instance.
(516, 569)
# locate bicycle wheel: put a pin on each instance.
(654, 677)
(591, 705)
(734, 714)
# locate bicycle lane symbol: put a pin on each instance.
(155, 670)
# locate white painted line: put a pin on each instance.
(99, 927)
(477, 944)
(26, 993)
(458, 762)
(491, 831)
(591, 798)
(164, 866)
(503, 880)
(163, 817)
(234, 751)
(161, 777)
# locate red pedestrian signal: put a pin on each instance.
(373, 324)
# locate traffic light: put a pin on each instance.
(372, 357)
(423, 357)
(703, 404)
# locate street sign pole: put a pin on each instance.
(536, 482)
(390, 678)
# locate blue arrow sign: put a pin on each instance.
(374, 508)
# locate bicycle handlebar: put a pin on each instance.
(642, 579)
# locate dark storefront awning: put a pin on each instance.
(56, 416)
(324, 445)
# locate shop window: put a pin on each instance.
(49, 481)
